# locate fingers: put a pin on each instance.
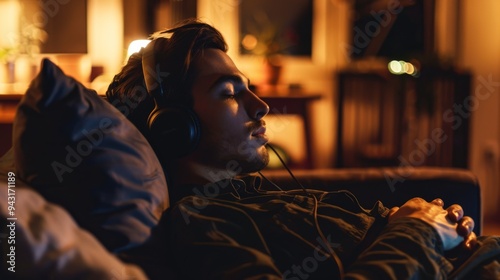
(438, 202)
(465, 226)
(453, 227)
(470, 241)
(455, 213)
(465, 229)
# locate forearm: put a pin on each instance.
(406, 249)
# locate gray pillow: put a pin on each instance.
(80, 152)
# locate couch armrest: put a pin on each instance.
(392, 186)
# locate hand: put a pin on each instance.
(451, 225)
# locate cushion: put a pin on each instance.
(80, 152)
(48, 243)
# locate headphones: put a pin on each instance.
(174, 129)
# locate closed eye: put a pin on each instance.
(232, 91)
(227, 90)
(229, 95)
(230, 86)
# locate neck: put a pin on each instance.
(189, 172)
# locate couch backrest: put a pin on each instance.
(392, 186)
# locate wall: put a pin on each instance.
(479, 50)
(65, 21)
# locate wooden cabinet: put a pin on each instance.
(8, 106)
(296, 104)
(396, 120)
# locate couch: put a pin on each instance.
(87, 186)
(394, 185)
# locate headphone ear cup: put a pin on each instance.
(175, 131)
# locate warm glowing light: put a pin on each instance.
(395, 67)
(402, 67)
(409, 69)
(105, 30)
(249, 42)
(11, 12)
(405, 66)
(136, 46)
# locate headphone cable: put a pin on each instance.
(288, 169)
(334, 255)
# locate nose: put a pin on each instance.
(256, 107)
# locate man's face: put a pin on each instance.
(232, 129)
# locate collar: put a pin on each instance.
(236, 188)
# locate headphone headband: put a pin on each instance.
(154, 78)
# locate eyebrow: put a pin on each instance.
(230, 78)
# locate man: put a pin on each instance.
(220, 225)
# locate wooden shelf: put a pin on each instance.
(295, 104)
(8, 108)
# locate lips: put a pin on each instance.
(260, 135)
(259, 131)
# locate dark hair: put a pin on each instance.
(175, 55)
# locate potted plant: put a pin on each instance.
(263, 40)
(24, 50)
